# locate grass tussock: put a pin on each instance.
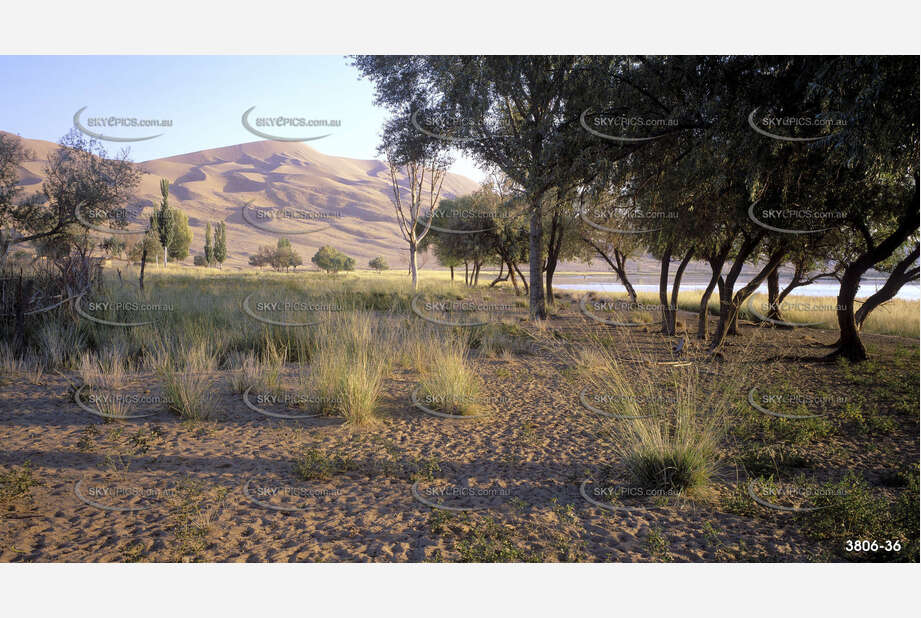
(351, 360)
(188, 385)
(447, 381)
(665, 423)
(261, 371)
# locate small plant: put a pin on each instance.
(87, 441)
(490, 541)
(192, 507)
(314, 465)
(17, 483)
(658, 546)
(668, 423)
(105, 371)
(849, 511)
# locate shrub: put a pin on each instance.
(332, 260)
(447, 382)
(379, 264)
(188, 389)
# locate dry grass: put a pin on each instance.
(666, 422)
(447, 381)
(348, 367)
(188, 387)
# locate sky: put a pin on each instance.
(203, 96)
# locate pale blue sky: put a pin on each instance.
(203, 96)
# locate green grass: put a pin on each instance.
(16, 483)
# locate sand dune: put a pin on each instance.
(213, 185)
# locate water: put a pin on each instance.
(820, 289)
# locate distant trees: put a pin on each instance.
(146, 249)
(332, 260)
(171, 227)
(220, 244)
(379, 264)
(208, 248)
(181, 236)
(480, 229)
(113, 246)
(263, 257)
(281, 257)
(163, 220)
(215, 252)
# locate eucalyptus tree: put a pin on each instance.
(417, 165)
(855, 164)
(81, 182)
(514, 113)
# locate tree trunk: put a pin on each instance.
(676, 285)
(716, 269)
(730, 320)
(19, 329)
(773, 282)
(554, 245)
(143, 264)
(537, 303)
(511, 274)
(618, 265)
(524, 281)
(726, 287)
(551, 268)
(899, 276)
(413, 267)
(621, 260)
(499, 277)
(452, 273)
(849, 344)
(664, 264)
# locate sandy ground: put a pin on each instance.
(227, 490)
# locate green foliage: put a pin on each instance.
(181, 237)
(314, 465)
(17, 483)
(332, 260)
(850, 510)
(281, 257)
(152, 243)
(113, 246)
(220, 243)
(209, 249)
(163, 220)
(379, 264)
